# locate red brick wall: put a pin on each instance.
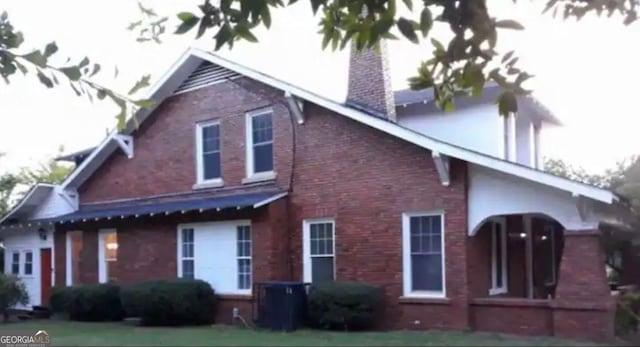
(479, 262)
(366, 180)
(164, 160)
(512, 316)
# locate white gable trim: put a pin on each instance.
(388, 127)
(30, 196)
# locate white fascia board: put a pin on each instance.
(270, 200)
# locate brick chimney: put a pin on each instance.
(370, 82)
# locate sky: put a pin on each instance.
(585, 72)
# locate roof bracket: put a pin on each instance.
(295, 106)
(442, 166)
(70, 198)
(582, 205)
(125, 142)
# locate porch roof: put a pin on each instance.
(135, 208)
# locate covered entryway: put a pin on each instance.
(536, 260)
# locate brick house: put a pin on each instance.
(236, 177)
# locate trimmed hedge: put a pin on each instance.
(92, 303)
(170, 302)
(344, 305)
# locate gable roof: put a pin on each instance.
(192, 58)
(29, 203)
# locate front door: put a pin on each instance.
(45, 276)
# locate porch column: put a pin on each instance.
(583, 306)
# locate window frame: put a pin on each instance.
(103, 269)
(181, 256)
(24, 264)
(14, 263)
(307, 267)
(495, 290)
(251, 175)
(244, 257)
(201, 182)
(406, 256)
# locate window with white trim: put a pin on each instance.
(108, 269)
(187, 253)
(28, 263)
(260, 143)
(208, 152)
(498, 257)
(319, 250)
(15, 263)
(423, 254)
(243, 240)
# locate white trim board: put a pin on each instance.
(172, 76)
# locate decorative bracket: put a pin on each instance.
(125, 142)
(442, 166)
(583, 207)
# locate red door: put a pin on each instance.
(45, 276)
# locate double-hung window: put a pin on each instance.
(319, 250)
(243, 240)
(28, 263)
(423, 254)
(209, 168)
(548, 241)
(15, 263)
(498, 257)
(187, 253)
(260, 144)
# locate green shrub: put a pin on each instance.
(93, 303)
(170, 302)
(12, 292)
(60, 298)
(344, 305)
(627, 313)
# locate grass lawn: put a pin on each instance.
(65, 333)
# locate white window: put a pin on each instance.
(498, 257)
(186, 254)
(548, 240)
(218, 253)
(107, 255)
(318, 248)
(260, 145)
(73, 254)
(28, 263)
(208, 160)
(15, 263)
(243, 241)
(423, 254)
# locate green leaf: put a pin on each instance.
(21, 67)
(507, 103)
(75, 89)
(409, 4)
(507, 56)
(509, 24)
(243, 31)
(406, 28)
(84, 62)
(44, 79)
(426, 21)
(36, 58)
(223, 36)
(134, 25)
(72, 72)
(266, 16)
(50, 49)
(101, 94)
(142, 83)
(186, 16)
(96, 69)
(187, 25)
(439, 47)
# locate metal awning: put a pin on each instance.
(137, 208)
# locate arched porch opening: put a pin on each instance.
(516, 256)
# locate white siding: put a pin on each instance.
(478, 128)
(54, 205)
(27, 239)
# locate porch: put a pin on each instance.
(536, 262)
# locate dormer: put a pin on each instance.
(476, 125)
